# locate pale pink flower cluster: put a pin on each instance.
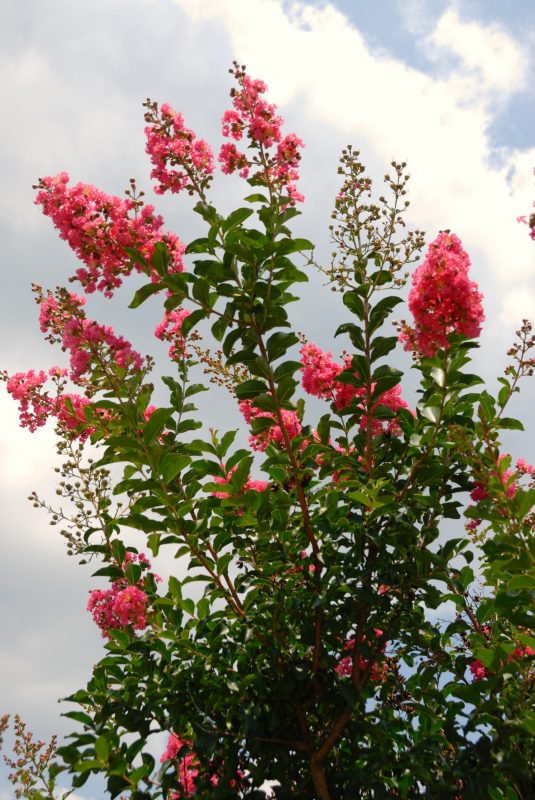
(123, 605)
(99, 227)
(36, 406)
(249, 485)
(63, 320)
(170, 330)
(345, 665)
(259, 120)
(442, 299)
(180, 160)
(319, 378)
(274, 434)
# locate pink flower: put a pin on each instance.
(478, 670)
(187, 765)
(170, 330)
(259, 120)
(129, 607)
(345, 665)
(122, 605)
(443, 299)
(180, 160)
(259, 441)
(524, 468)
(63, 320)
(319, 371)
(249, 485)
(100, 227)
(231, 159)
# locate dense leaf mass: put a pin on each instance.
(324, 635)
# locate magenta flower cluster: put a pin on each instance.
(63, 320)
(319, 377)
(100, 227)
(275, 433)
(443, 299)
(122, 605)
(170, 330)
(180, 160)
(254, 116)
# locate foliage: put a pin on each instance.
(322, 630)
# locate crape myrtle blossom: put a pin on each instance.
(249, 485)
(442, 299)
(188, 768)
(187, 765)
(480, 672)
(100, 227)
(170, 330)
(123, 604)
(63, 321)
(319, 375)
(275, 434)
(180, 160)
(253, 116)
(37, 406)
(345, 665)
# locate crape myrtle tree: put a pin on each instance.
(322, 631)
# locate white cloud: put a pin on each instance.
(518, 304)
(392, 110)
(498, 61)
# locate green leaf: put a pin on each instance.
(156, 424)
(279, 342)
(248, 390)
(439, 376)
(142, 294)
(287, 246)
(171, 464)
(508, 423)
(256, 198)
(236, 218)
(381, 311)
(519, 582)
(160, 258)
(432, 413)
(354, 302)
(356, 334)
(102, 747)
(223, 562)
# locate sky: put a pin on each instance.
(446, 86)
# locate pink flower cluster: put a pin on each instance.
(319, 378)
(507, 479)
(259, 120)
(36, 406)
(180, 160)
(442, 299)
(260, 441)
(62, 319)
(123, 605)
(480, 672)
(170, 330)
(248, 486)
(345, 665)
(99, 227)
(187, 765)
